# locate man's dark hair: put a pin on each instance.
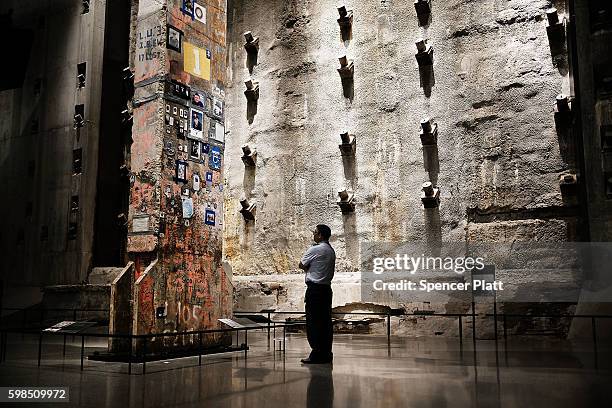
(325, 231)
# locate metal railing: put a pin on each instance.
(145, 338)
(271, 325)
(459, 316)
(43, 312)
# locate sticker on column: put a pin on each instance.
(199, 12)
(187, 8)
(205, 148)
(174, 38)
(187, 207)
(217, 131)
(210, 217)
(208, 177)
(196, 125)
(215, 158)
(196, 61)
(217, 107)
(198, 99)
(181, 171)
(194, 151)
(196, 182)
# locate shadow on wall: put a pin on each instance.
(248, 180)
(251, 61)
(427, 79)
(348, 88)
(565, 138)
(351, 241)
(249, 234)
(433, 229)
(431, 162)
(350, 169)
(251, 110)
(424, 20)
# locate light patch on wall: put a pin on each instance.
(215, 158)
(197, 61)
(140, 223)
(210, 217)
(187, 207)
(149, 41)
(218, 133)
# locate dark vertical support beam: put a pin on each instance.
(82, 350)
(594, 328)
(74, 314)
(474, 331)
(461, 337)
(579, 128)
(269, 314)
(495, 320)
(1, 301)
(144, 356)
(388, 333)
(200, 350)
(246, 343)
(4, 347)
(130, 356)
(40, 338)
(505, 339)
(23, 323)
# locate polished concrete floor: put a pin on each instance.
(413, 372)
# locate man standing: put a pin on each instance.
(319, 263)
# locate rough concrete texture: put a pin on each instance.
(176, 216)
(491, 92)
(120, 313)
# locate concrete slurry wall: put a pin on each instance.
(49, 240)
(491, 92)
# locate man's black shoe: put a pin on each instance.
(311, 361)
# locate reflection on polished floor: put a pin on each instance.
(414, 372)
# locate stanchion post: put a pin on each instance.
(594, 329)
(144, 356)
(495, 320)
(40, 337)
(246, 342)
(82, 350)
(269, 314)
(388, 329)
(200, 350)
(130, 355)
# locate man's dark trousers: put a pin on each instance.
(319, 329)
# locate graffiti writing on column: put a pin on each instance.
(148, 39)
(145, 300)
(185, 288)
(190, 316)
(150, 44)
